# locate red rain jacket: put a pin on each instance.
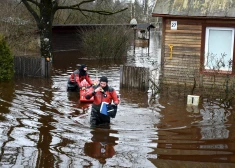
(99, 96)
(75, 77)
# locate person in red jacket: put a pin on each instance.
(79, 75)
(102, 93)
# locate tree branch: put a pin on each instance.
(101, 12)
(30, 9)
(32, 1)
(83, 2)
(77, 7)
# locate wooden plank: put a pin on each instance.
(175, 61)
(182, 45)
(179, 62)
(185, 27)
(186, 21)
(200, 22)
(191, 42)
(180, 68)
(185, 38)
(189, 38)
(183, 57)
(184, 31)
(180, 35)
(185, 53)
(182, 60)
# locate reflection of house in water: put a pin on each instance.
(187, 138)
(17, 157)
(16, 149)
(213, 123)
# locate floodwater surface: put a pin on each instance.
(43, 125)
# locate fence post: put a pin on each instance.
(46, 67)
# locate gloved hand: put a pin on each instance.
(112, 110)
(83, 88)
(94, 84)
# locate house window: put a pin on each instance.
(219, 48)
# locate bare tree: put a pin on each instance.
(44, 11)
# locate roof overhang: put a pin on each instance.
(201, 9)
(191, 17)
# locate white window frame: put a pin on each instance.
(207, 41)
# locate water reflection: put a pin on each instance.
(77, 108)
(45, 157)
(144, 56)
(102, 145)
(194, 134)
(7, 90)
(213, 125)
(126, 96)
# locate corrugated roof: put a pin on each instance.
(195, 8)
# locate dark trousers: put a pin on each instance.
(98, 119)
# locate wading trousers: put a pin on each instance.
(98, 119)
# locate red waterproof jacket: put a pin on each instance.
(109, 96)
(75, 77)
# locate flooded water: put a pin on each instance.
(43, 125)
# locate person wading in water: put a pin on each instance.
(102, 93)
(78, 76)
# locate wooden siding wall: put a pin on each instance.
(186, 42)
(188, 45)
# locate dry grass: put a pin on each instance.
(19, 29)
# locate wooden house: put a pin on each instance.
(197, 41)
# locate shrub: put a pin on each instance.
(106, 42)
(6, 61)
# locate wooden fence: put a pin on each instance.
(134, 77)
(31, 66)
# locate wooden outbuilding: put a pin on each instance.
(197, 41)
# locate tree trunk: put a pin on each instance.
(45, 27)
(45, 39)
